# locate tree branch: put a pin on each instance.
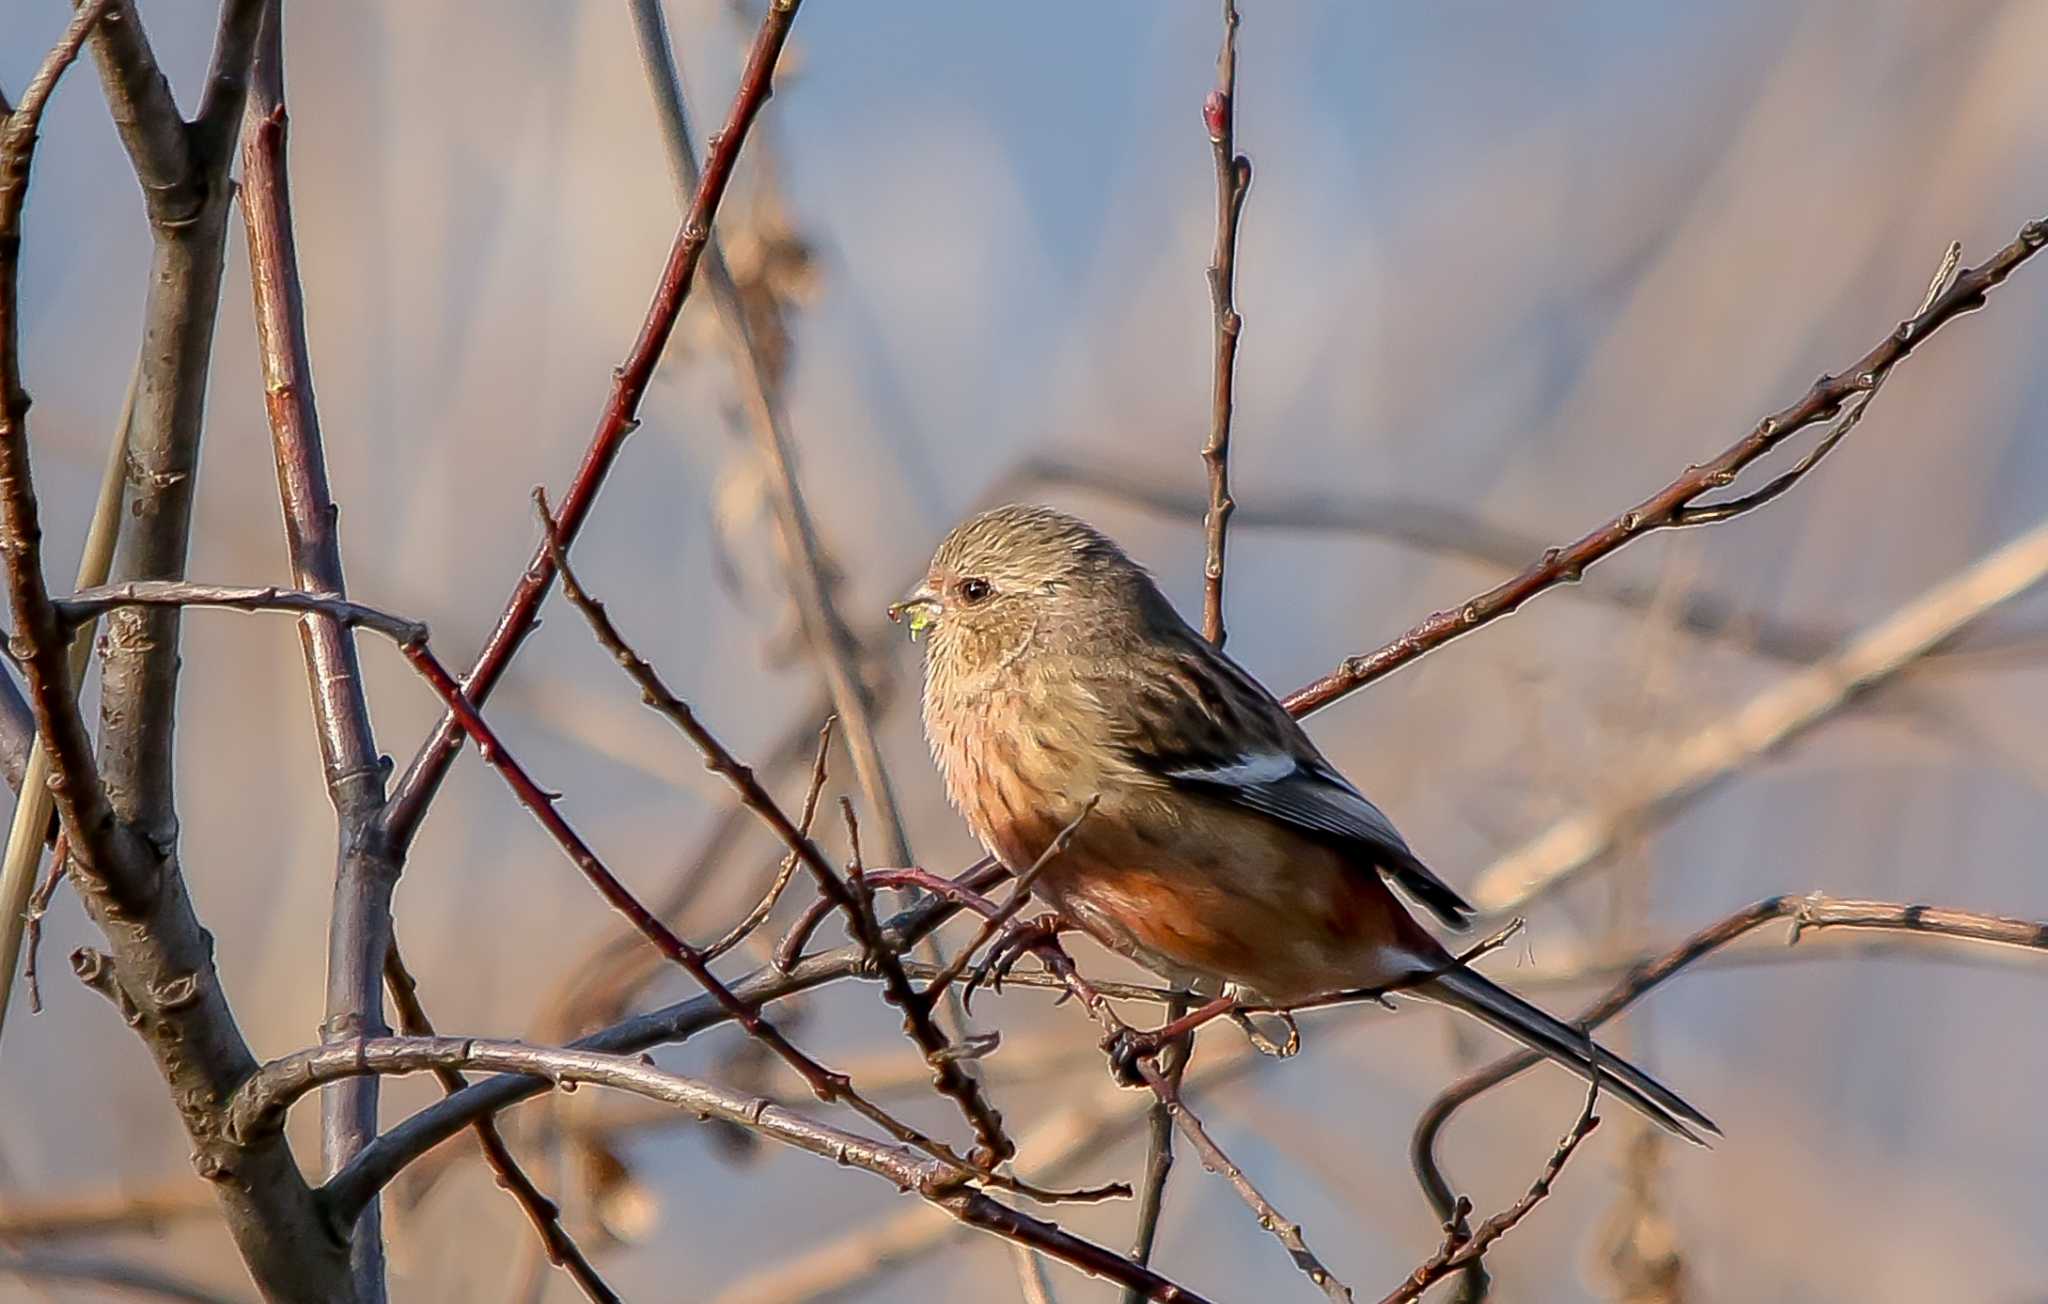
(1808, 913)
(948, 1077)
(422, 779)
(388, 1154)
(1666, 508)
(259, 1107)
(329, 608)
(359, 930)
(1463, 1249)
(543, 1213)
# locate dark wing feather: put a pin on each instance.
(1207, 726)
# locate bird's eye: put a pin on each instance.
(974, 590)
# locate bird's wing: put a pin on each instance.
(1207, 726)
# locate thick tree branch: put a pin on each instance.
(422, 779)
(121, 824)
(259, 1108)
(398, 1146)
(1666, 509)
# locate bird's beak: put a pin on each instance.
(920, 611)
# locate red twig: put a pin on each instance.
(1673, 506)
(948, 1078)
(629, 383)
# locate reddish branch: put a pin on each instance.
(629, 384)
(948, 1077)
(1676, 505)
(41, 639)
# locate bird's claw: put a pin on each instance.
(1006, 948)
(1126, 1048)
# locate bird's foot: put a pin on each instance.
(1127, 1048)
(1008, 946)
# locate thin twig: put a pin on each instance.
(543, 1213)
(1664, 509)
(422, 779)
(817, 609)
(31, 821)
(824, 1083)
(1807, 913)
(32, 920)
(1463, 1249)
(88, 603)
(1287, 1232)
(1233, 182)
(405, 1141)
(1020, 896)
(754, 918)
(948, 1077)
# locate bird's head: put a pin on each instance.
(1008, 574)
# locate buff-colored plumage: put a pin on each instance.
(1224, 848)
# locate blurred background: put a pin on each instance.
(1504, 270)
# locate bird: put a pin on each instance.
(1209, 840)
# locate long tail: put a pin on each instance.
(1472, 992)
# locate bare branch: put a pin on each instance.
(259, 1108)
(359, 939)
(546, 1217)
(1808, 913)
(415, 790)
(399, 1145)
(1664, 509)
(1288, 1233)
(1233, 182)
(948, 1077)
(329, 607)
(754, 918)
(824, 626)
(1462, 1249)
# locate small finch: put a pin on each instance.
(1224, 851)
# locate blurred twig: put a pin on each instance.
(1788, 708)
(1667, 508)
(119, 1275)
